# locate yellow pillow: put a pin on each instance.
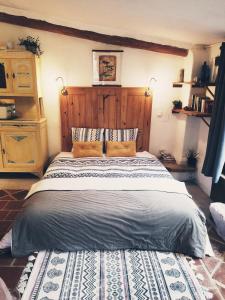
(87, 149)
(121, 148)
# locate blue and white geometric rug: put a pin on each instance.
(111, 275)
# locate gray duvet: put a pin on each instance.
(69, 221)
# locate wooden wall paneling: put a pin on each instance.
(141, 107)
(135, 110)
(110, 113)
(85, 114)
(73, 113)
(122, 114)
(131, 110)
(94, 107)
(122, 108)
(111, 106)
(73, 109)
(147, 122)
(64, 122)
(86, 109)
(99, 110)
(141, 111)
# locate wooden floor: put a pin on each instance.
(210, 271)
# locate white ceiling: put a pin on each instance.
(176, 22)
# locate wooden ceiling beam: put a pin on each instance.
(90, 35)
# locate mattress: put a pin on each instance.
(109, 204)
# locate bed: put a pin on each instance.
(108, 203)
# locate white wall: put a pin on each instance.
(71, 58)
(182, 121)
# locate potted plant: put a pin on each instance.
(31, 44)
(177, 104)
(192, 157)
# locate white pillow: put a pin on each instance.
(217, 210)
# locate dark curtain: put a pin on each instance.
(215, 152)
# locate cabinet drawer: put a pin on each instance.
(18, 127)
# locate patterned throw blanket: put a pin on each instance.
(116, 275)
(129, 167)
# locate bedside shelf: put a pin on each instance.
(191, 113)
(174, 167)
(194, 84)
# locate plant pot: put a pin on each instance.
(192, 162)
(177, 106)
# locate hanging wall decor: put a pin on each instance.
(107, 67)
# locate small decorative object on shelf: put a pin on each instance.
(202, 104)
(181, 75)
(188, 108)
(192, 157)
(31, 44)
(204, 76)
(177, 104)
(7, 109)
(166, 157)
(214, 68)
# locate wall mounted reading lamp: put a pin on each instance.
(150, 87)
(64, 91)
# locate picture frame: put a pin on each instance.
(107, 67)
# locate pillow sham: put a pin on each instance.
(120, 148)
(87, 134)
(87, 149)
(121, 135)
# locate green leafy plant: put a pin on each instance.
(31, 44)
(177, 104)
(192, 157)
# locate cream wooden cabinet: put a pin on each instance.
(23, 140)
(23, 146)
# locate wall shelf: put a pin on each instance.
(174, 167)
(191, 113)
(193, 84)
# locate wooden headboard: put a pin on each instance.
(106, 107)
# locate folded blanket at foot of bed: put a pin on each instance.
(109, 220)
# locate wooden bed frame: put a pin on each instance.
(106, 107)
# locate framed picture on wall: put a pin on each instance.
(107, 67)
